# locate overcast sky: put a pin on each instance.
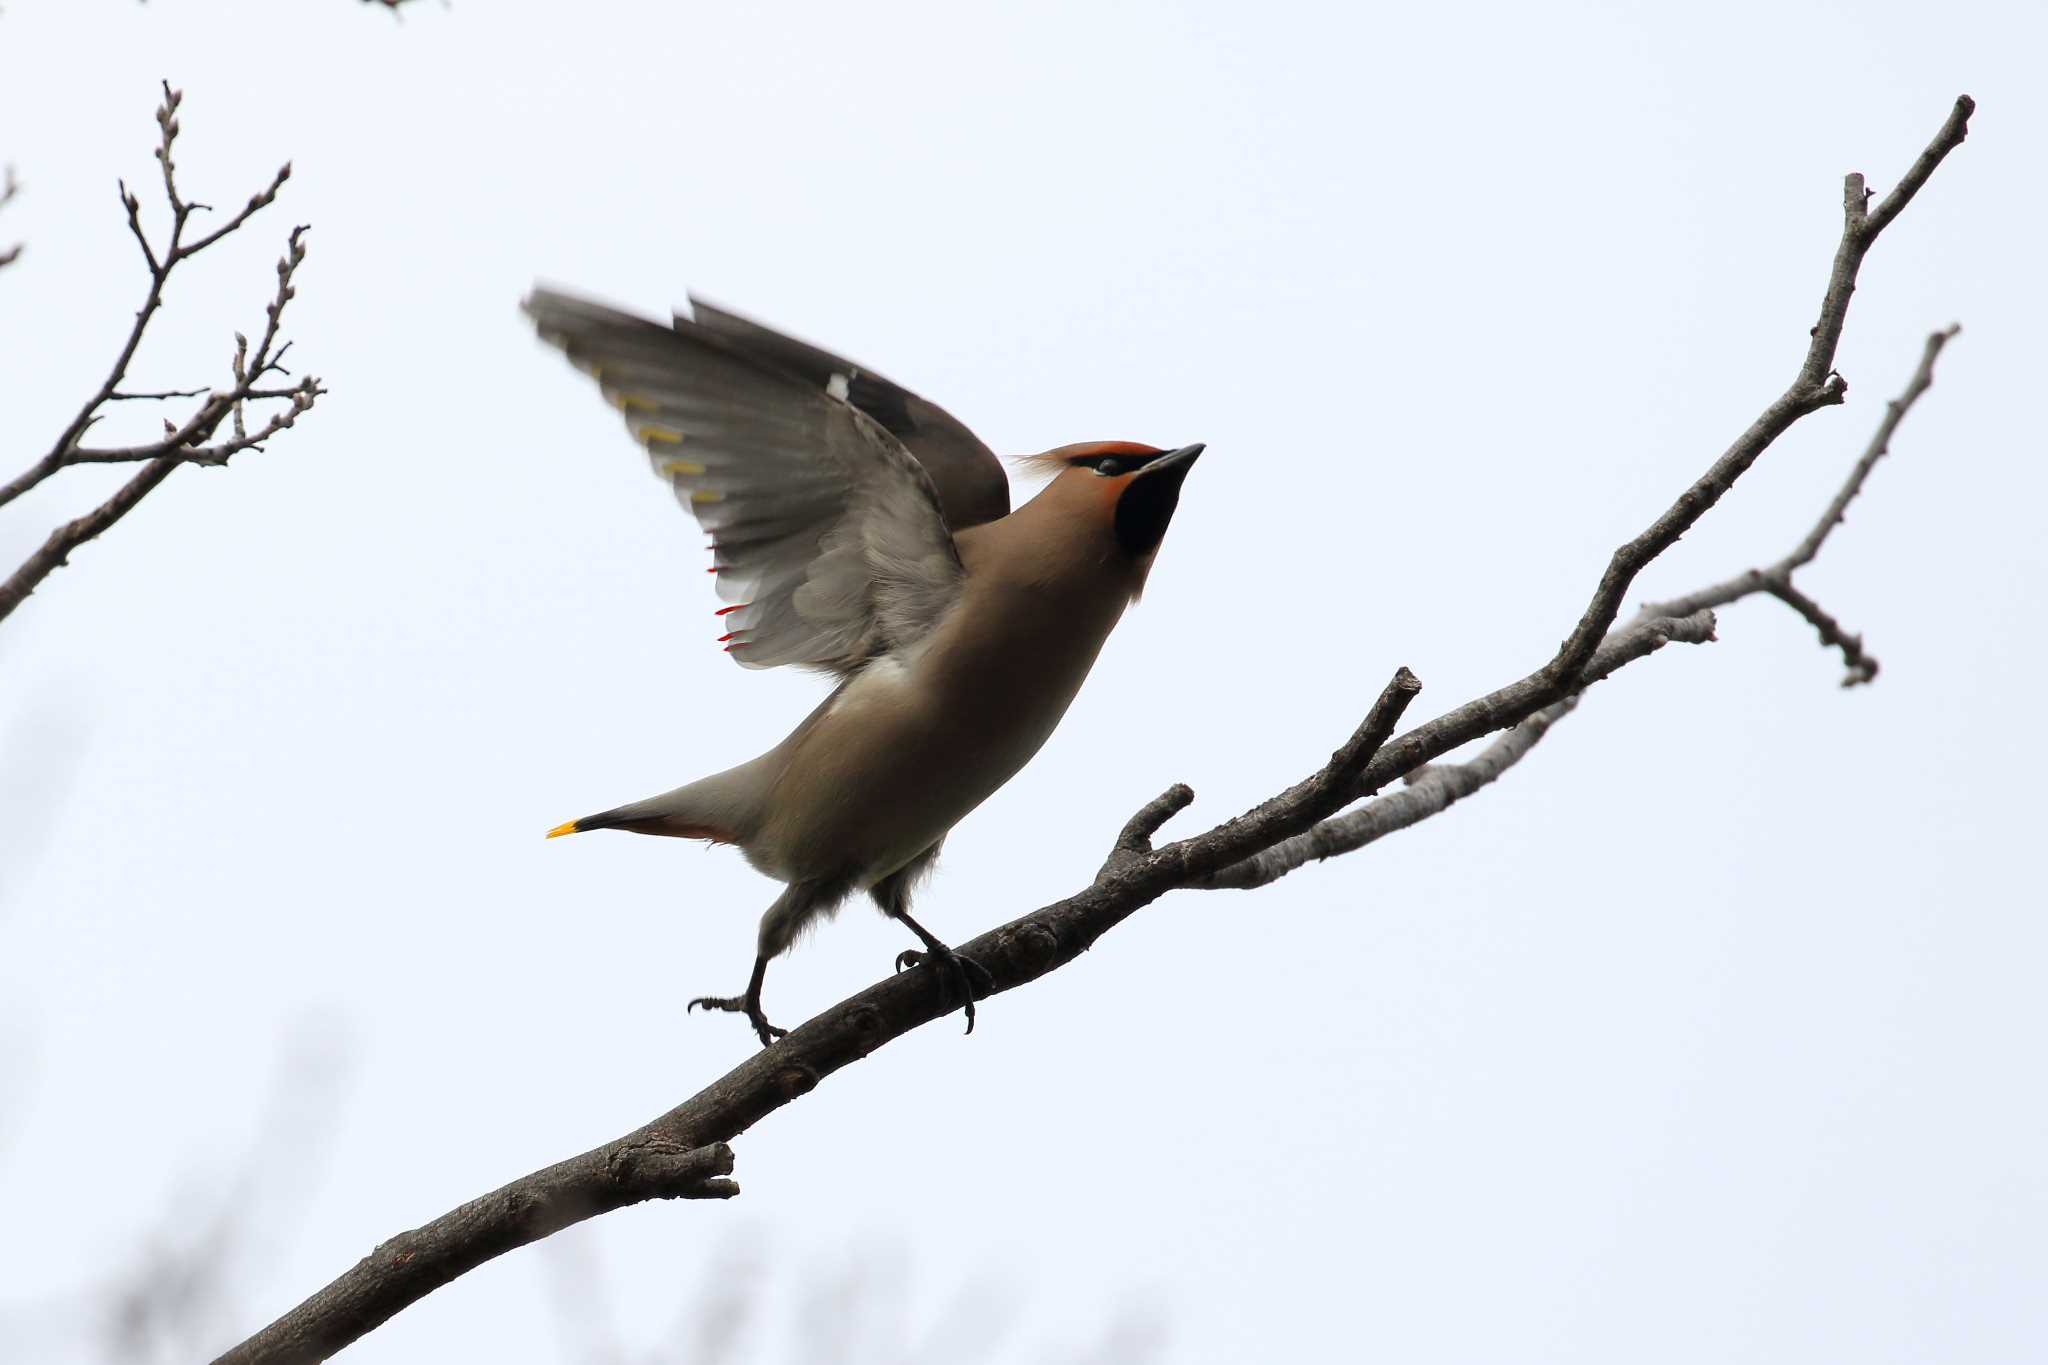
(1711, 1033)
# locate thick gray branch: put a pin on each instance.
(414, 1264)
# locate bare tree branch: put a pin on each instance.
(186, 442)
(1431, 790)
(414, 1264)
(1134, 875)
(1862, 667)
(1816, 386)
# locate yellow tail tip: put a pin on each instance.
(568, 827)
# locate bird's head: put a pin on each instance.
(1131, 488)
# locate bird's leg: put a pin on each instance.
(955, 971)
(799, 904)
(748, 1004)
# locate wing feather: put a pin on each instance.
(970, 480)
(828, 537)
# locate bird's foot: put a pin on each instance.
(957, 972)
(741, 1004)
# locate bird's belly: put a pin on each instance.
(895, 765)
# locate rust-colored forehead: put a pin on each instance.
(1084, 448)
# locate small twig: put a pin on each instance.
(1862, 667)
(167, 128)
(157, 397)
(132, 206)
(260, 200)
(1136, 835)
(240, 365)
(1880, 445)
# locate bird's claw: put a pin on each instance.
(739, 1004)
(956, 972)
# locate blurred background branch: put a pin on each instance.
(9, 187)
(852, 1307)
(181, 1285)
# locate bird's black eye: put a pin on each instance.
(1109, 466)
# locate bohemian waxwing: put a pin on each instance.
(858, 529)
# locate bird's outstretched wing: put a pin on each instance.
(970, 479)
(827, 537)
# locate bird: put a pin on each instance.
(860, 530)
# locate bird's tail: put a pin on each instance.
(724, 808)
(623, 817)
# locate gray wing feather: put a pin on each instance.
(827, 535)
(970, 479)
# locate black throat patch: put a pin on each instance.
(1144, 509)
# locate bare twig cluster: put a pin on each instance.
(196, 439)
(684, 1153)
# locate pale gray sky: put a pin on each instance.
(1712, 1033)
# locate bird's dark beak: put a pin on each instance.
(1149, 498)
(1175, 463)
